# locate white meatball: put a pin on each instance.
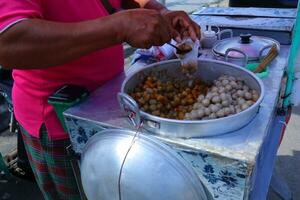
(233, 91)
(255, 96)
(200, 98)
(215, 94)
(225, 103)
(214, 89)
(220, 113)
(194, 114)
(227, 111)
(223, 96)
(233, 84)
(254, 92)
(246, 88)
(205, 102)
(221, 89)
(218, 83)
(229, 97)
(221, 78)
(216, 99)
(240, 93)
(238, 110)
(195, 106)
(218, 105)
(235, 96)
(207, 111)
(232, 110)
(248, 95)
(239, 85)
(214, 108)
(187, 116)
(241, 101)
(244, 106)
(209, 95)
(228, 88)
(200, 106)
(200, 113)
(225, 82)
(231, 78)
(212, 116)
(250, 103)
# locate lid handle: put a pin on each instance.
(221, 33)
(131, 108)
(245, 56)
(245, 38)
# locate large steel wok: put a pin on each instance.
(208, 71)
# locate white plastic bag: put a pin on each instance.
(160, 53)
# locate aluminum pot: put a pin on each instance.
(243, 49)
(117, 165)
(208, 71)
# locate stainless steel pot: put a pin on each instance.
(114, 167)
(208, 70)
(243, 49)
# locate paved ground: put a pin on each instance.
(288, 161)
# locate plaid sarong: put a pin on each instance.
(51, 167)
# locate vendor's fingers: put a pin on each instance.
(161, 37)
(147, 45)
(189, 26)
(166, 33)
(185, 34)
(176, 36)
(176, 22)
(186, 25)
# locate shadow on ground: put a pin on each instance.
(289, 167)
(288, 159)
(17, 189)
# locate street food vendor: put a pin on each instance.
(49, 43)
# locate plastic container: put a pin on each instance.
(209, 38)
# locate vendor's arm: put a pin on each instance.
(179, 21)
(37, 43)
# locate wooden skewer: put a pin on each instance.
(268, 59)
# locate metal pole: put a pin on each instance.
(293, 59)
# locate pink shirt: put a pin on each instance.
(32, 87)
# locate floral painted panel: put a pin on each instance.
(225, 178)
(80, 131)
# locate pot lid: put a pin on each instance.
(150, 169)
(253, 46)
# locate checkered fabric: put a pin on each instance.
(51, 167)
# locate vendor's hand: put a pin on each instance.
(143, 28)
(182, 25)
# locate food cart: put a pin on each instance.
(235, 165)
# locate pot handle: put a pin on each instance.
(220, 34)
(262, 51)
(131, 108)
(239, 51)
